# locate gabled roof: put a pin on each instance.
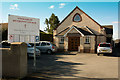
(75, 29)
(82, 30)
(107, 26)
(72, 12)
(90, 30)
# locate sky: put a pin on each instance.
(105, 13)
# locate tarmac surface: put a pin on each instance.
(73, 66)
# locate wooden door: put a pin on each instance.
(73, 43)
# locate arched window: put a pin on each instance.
(77, 18)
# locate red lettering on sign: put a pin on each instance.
(24, 21)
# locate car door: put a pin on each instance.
(38, 46)
(48, 46)
(43, 47)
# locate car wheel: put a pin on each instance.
(49, 52)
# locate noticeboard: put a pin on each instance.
(22, 29)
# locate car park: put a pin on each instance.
(104, 48)
(30, 51)
(45, 47)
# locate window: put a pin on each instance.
(37, 44)
(48, 44)
(87, 40)
(43, 44)
(62, 40)
(104, 45)
(77, 18)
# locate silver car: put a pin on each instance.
(104, 48)
(46, 47)
(30, 51)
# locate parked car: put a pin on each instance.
(45, 47)
(32, 44)
(104, 48)
(5, 44)
(30, 51)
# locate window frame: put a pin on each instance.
(61, 40)
(37, 44)
(42, 43)
(87, 40)
(47, 44)
(79, 16)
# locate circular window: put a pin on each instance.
(77, 18)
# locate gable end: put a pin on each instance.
(81, 18)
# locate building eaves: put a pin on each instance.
(62, 32)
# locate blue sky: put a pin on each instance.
(105, 13)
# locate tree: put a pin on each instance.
(4, 31)
(52, 23)
(4, 34)
(47, 23)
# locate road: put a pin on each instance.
(80, 65)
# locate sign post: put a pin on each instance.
(35, 54)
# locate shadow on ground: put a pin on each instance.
(47, 67)
(71, 79)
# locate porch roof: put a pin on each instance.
(63, 32)
(82, 30)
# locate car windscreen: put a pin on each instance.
(32, 44)
(28, 45)
(104, 45)
(6, 44)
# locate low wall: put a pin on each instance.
(14, 60)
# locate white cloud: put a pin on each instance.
(115, 22)
(61, 5)
(52, 6)
(14, 7)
